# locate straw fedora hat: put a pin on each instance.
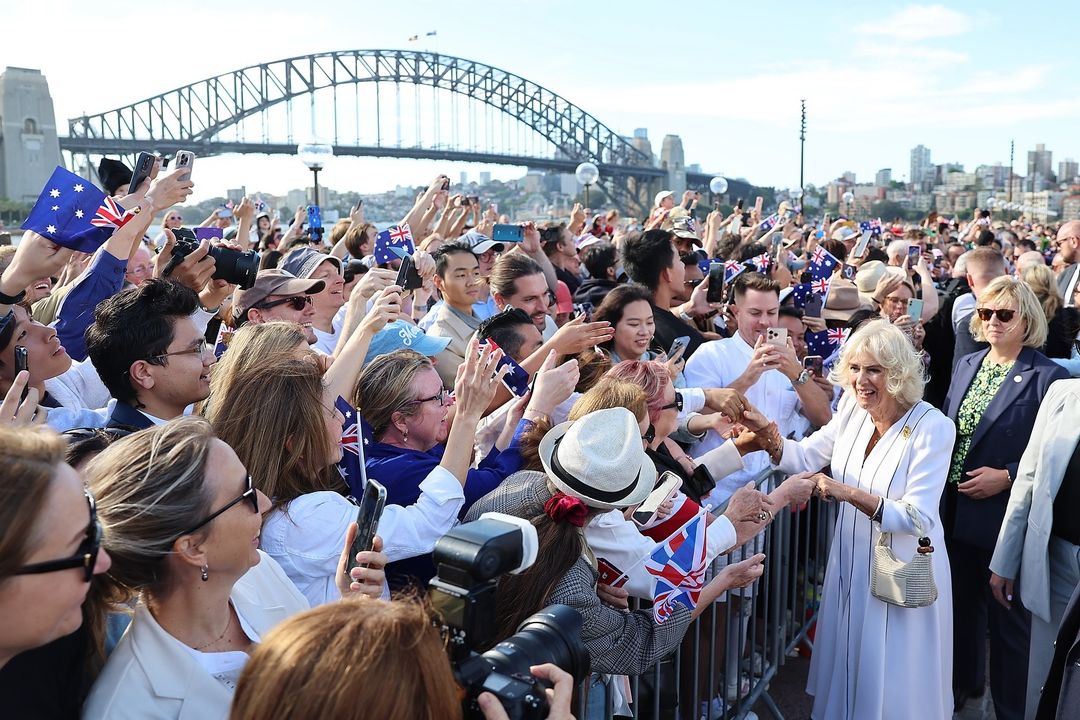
(599, 458)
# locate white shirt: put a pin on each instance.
(718, 363)
(307, 538)
(79, 388)
(325, 342)
(962, 308)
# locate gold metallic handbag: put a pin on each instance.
(904, 584)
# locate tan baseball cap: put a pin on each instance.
(272, 282)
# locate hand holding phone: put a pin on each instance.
(678, 346)
(144, 166)
(407, 278)
(915, 308)
(815, 364)
(367, 521)
(777, 337)
(668, 484)
(714, 293)
(20, 365)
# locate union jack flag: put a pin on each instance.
(732, 270)
(111, 215)
(396, 236)
(821, 287)
(354, 432)
(761, 262)
(678, 564)
(822, 263)
(838, 336)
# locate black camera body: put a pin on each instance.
(233, 266)
(470, 560)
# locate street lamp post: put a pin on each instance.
(315, 155)
(849, 201)
(718, 186)
(587, 174)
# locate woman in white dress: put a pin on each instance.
(887, 451)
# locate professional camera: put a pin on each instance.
(232, 266)
(470, 559)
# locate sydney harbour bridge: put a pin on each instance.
(384, 103)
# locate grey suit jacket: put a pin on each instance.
(1025, 532)
(449, 325)
(1065, 278)
(620, 643)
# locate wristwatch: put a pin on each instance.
(12, 299)
(803, 378)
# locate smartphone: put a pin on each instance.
(314, 216)
(739, 204)
(516, 378)
(446, 184)
(610, 574)
(185, 159)
(367, 518)
(860, 246)
(715, 292)
(144, 165)
(359, 204)
(666, 488)
(913, 253)
(759, 203)
(815, 364)
(848, 272)
(507, 233)
(20, 365)
(582, 310)
(776, 337)
(679, 344)
(813, 306)
(474, 199)
(225, 212)
(407, 277)
(208, 233)
(914, 308)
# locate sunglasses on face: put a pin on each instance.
(85, 557)
(296, 302)
(677, 404)
(1004, 316)
(249, 494)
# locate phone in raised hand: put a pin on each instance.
(666, 487)
(367, 518)
(715, 292)
(915, 308)
(144, 165)
(184, 160)
(776, 337)
(20, 365)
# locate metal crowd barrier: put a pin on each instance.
(772, 620)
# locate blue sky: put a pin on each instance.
(879, 78)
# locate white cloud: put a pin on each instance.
(918, 22)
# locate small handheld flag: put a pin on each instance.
(395, 236)
(678, 564)
(822, 263)
(75, 214)
(355, 435)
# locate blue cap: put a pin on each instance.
(400, 335)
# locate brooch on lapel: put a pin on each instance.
(906, 432)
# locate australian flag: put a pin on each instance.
(74, 214)
(800, 294)
(826, 342)
(355, 435)
(768, 223)
(678, 564)
(396, 236)
(732, 270)
(874, 226)
(822, 263)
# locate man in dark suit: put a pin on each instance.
(1068, 238)
(149, 353)
(1061, 693)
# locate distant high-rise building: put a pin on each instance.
(464, 178)
(848, 177)
(485, 178)
(1068, 169)
(29, 148)
(641, 142)
(883, 177)
(1040, 168)
(641, 133)
(922, 170)
(673, 160)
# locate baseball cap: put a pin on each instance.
(272, 282)
(303, 261)
(564, 303)
(400, 335)
(585, 241)
(681, 227)
(480, 243)
(660, 197)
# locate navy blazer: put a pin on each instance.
(999, 438)
(125, 416)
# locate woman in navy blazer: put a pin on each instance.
(993, 399)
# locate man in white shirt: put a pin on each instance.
(771, 377)
(310, 264)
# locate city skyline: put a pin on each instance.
(726, 80)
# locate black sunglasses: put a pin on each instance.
(678, 404)
(249, 494)
(296, 302)
(85, 557)
(1003, 315)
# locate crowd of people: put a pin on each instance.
(178, 511)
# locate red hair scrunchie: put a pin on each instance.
(562, 507)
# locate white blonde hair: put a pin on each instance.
(890, 348)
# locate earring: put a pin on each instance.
(405, 435)
(205, 573)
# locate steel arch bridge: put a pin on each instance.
(200, 116)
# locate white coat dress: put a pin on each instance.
(872, 659)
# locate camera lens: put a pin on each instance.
(552, 635)
(235, 267)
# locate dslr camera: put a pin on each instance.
(233, 266)
(470, 559)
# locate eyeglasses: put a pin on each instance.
(249, 494)
(85, 557)
(678, 404)
(198, 351)
(296, 302)
(443, 397)
(1004, 316)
